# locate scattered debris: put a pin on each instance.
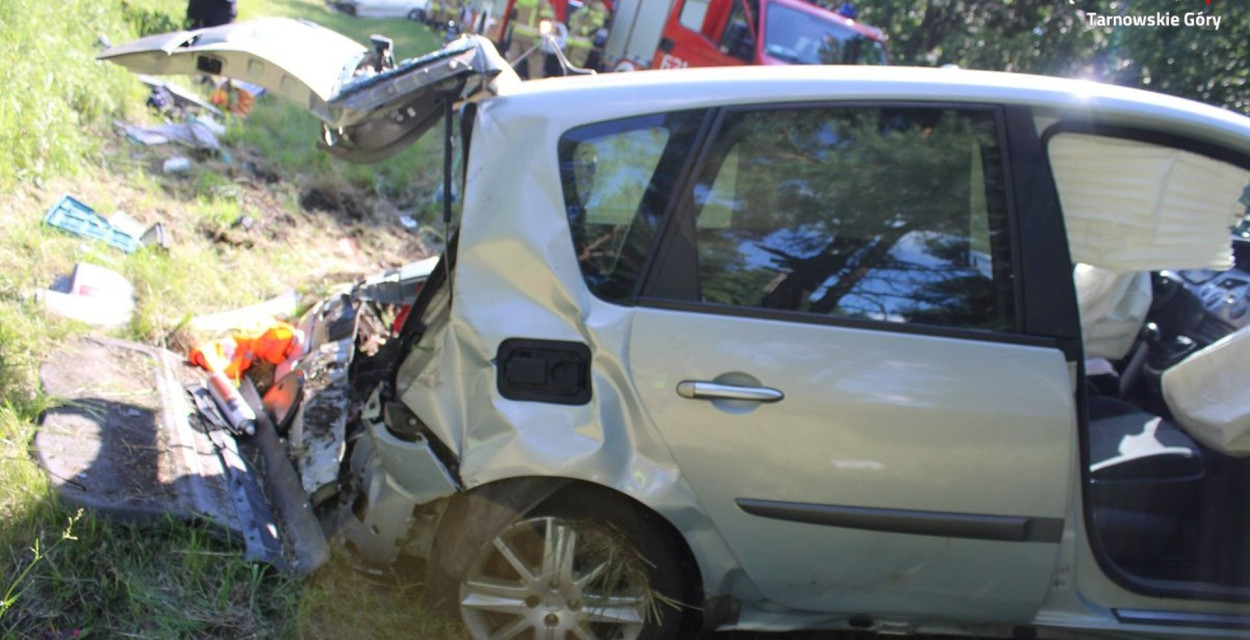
(195, 134)
(155, 236)
(176, 164)
(126, 224)
(75, 217)
(92, 294)
(217, 128)
(233, 98)
(408, 222)
(119, 230)
(239, 416)
(124, 444)
(244, 222)
(168, 97)
(275, 343)
(143, 136)
(229, 358)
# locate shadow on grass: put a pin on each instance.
(149, 559)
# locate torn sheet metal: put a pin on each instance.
(127, 443)
(517, 275)
(318, 433)
(398, 286)
(371, 107)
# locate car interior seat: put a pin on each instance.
(1145, 472)
(1145, 476)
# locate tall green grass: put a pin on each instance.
(55, 98)
(168, 579)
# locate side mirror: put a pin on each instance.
(738, 41)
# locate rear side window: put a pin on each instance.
(617, 179)
(883, 214)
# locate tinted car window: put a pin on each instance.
(617, 179)
(894, 215)
(802, 38)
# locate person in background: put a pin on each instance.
(210, 13)
(594, 60)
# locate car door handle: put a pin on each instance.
(698, 390)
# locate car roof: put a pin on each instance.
(607, 96)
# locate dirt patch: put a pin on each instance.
(331, 200)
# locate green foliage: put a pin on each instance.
(168, 580)
(1035, 36)
(39, 552)
(1202, 64)
(57, 97)
(148, 21)
(1054, 38)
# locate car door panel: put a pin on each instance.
(853, 266)
(877, 421)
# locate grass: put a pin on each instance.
(169, 579)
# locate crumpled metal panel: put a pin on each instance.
(318, 434)
(516, 276)
(368, 114)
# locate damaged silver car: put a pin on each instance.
(778, 348)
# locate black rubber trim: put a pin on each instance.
(800, 317)
(926, 523)
(698, 147)
(1048, 292)
(1182, 619)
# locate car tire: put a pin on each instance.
(575, 563)
(417, 15)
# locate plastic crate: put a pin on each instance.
(77, 218)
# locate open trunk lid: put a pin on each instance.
(371, 107)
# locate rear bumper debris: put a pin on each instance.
(127, 443)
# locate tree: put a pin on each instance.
(1055, 38)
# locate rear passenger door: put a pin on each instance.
(829, 341)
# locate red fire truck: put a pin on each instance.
(659, 34)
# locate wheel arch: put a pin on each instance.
(488, 508)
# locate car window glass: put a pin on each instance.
(617, 177)
(798, 37)
(737, 39)
(892, 215)
(692, 14)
